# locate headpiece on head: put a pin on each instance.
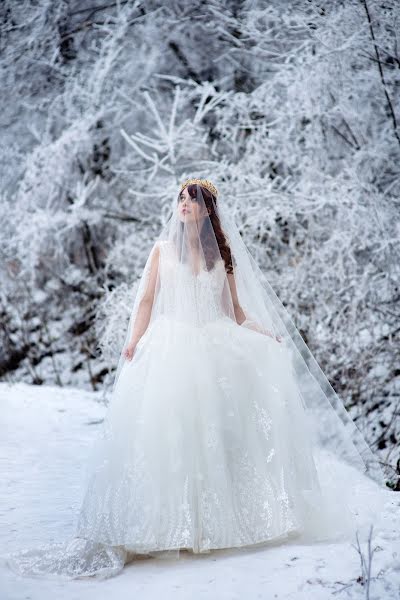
(206, 183)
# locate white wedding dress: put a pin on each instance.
(206, 444)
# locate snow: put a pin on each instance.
(46, 435)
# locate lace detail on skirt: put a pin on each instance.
(74, 559)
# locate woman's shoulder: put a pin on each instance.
(162, 249)
(164, 245)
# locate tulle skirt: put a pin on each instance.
(207, 445)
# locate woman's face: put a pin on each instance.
(189, 210)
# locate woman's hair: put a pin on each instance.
(211, 228)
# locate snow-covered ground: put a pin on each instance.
(46, 433)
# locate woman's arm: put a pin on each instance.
(145, 305)
(240, 315)
(239, 312)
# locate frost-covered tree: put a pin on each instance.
(293, 108)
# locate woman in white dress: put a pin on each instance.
(222, 431)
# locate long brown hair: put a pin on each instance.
(207, 235)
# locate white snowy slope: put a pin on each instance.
(46, 433)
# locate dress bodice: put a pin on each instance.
(186, 295)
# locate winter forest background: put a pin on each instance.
(291, 108)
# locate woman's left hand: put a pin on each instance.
(255, 327)
(277, 337)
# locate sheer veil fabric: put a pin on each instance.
(222, 430)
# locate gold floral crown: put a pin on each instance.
(203, 182)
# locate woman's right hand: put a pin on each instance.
(130, 350)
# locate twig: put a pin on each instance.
(52, 353)
(366, 567)
(344, 137)
(391, 109)
(388, 426)
(93, 9)
(366, 562)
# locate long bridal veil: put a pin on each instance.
(200, 302)
(217, 240)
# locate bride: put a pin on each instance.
(222, 431)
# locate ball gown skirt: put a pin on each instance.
(206, 446)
